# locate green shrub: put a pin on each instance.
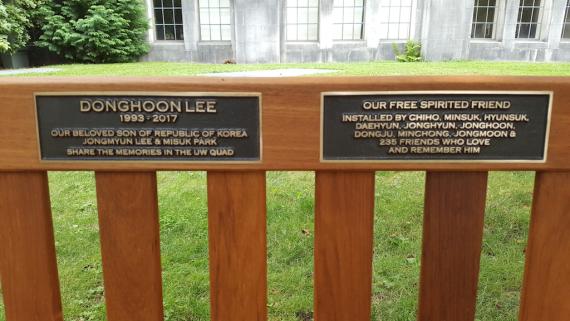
(412, 52)
(95, 31)
(15, 22)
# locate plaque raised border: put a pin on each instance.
(192, 94)
(435, 92)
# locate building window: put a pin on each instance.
(302, 20)
(215, 20)
(168, 20)
(396, 19)
(529, 19)
(348, 19)
(566, 27)
(484, 17)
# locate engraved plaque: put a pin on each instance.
(435, 126)
(200, 127)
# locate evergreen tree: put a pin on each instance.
(94, 31)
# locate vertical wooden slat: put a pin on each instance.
(130, 245)
(344, 214)
(237, 242)
(452, 236)
(546, 290)
(27, 250)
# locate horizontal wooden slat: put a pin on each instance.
(291, 117)
(130, 245)
(546, 289)
(27, 250)
(344, 215)
(238, 248)
(452, 236)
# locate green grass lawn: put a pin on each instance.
(384, 68)
(290, 204)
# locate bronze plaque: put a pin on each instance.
(199, 127)
(435, 126)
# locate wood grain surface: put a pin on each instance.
(290, 122)
(28, 267)
(546, 289)
(452, 236)
(130, 245)
(344, 215)
(237, 241)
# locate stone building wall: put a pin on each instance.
(258, 35)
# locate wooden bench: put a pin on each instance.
(128, 210)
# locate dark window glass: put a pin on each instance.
(566, 28)
(178, 16)
(526, 15)
(168, 20)
(169, 33)
(529, 19)
(179, 33)
(481, 14)
(534, 16)
(566, 31)
(168, 17)
(159, 32)
(158, 17)
(482, 31)
(483, 19)
(475, 31)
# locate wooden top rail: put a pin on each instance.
(290, 119)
